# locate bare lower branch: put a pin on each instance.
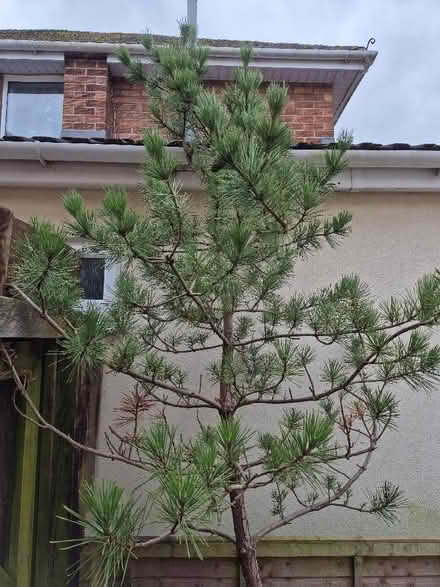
(213, 532)
(166, 402)
(352, 507)
(181, 392)
(42, 313)
(156, 539)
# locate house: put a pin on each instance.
(69, 119)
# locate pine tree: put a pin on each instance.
(206, 282)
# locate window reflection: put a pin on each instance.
(34, 109)
(92, 271)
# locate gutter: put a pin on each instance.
(78, 152)
(93, 166)
(393, 159)
(345, 55)
(135, 154)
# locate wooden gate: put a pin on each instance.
(38, 474)
(39, 471)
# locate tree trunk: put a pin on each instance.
(249, 568)
(246, 547)
(227, 355)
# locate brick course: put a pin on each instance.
(95, 102)
(128, 110)
(309, 112)
(86, 94)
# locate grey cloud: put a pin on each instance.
(398, 100)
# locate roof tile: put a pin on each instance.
(118, 38)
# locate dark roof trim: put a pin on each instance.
(298, 146)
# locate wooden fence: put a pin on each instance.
(301, 572)
(39, 472)
(297, 563)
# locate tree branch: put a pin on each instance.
(42, 313)
(319, 335)
(260, 198)
(370, 360)
(168, 387)
(167, 402)
(198, 303)
(214, 532)
(156, 539)
(319, 505)
(134, 375)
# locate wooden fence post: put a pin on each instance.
(22, 539)
(357, 571)
(6, 223)
(50, 478)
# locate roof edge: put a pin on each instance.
(135, 154)
(104, 48)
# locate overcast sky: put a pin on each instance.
(397, 101)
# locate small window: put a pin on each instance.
(92, 274)
(32, 108)
(97, 277)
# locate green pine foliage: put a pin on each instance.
(209, 278)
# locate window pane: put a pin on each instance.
(34, 109)
(92, 278)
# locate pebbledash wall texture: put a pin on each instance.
(96, 102)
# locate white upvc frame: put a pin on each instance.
(111, 273)
(21, 78)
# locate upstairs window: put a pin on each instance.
(32, 106)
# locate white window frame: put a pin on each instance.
(111, 273)
(21, 78)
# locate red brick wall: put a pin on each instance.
(86, 94)
(129, 110)
(309, 112)
(94, 103)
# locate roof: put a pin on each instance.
(365, 146)
(127, 38)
